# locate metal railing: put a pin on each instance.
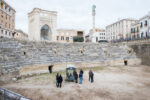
(9, 95)
(132, 40)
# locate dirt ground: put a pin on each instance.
(110, 83)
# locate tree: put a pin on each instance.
(78, 39)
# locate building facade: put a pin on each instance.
(7, 20)
(145, 26)
(42, 25)
(120, 29)
(67, 35)
(100, 34)
(19, 34)
(135, 31)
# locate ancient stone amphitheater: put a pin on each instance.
(20, 57)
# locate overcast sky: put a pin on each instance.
(76, 14)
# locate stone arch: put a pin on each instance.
(50, 68)
(125, 62)
(45, 33)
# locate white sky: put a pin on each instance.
(76, 14)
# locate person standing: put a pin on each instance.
(90, 72)
(57, 78)
(92, 76)
(81, 76)
(81, 71)
(60, 80)
(76, 77)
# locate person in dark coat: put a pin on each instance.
(57, 78)
(60, 80)
(75, 74)
(90, 72)
(91, 76)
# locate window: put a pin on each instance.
(142, 35)
(5, 7)
(57, 37)
(146, 23)
(146, 34)
(132, 30)
(9, 10)
(141, 25)
(67, 38)
(62, 37)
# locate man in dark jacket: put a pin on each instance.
(75, 74)
(91, 76)
(57, 78)
(90, 72)
(60, 80)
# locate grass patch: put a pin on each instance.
(117, 67)
(48, 76)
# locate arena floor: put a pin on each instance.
(110, 83)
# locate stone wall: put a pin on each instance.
(9, 95)
(16, 56)
(143, 52)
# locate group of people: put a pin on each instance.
(75, 74)
(59, 78)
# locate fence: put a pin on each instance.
(9, 95)
(132, 41)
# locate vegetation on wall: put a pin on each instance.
(78, 39)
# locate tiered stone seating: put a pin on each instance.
(16, 53)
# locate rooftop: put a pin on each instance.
(41, 10)
(8, 5)
(129, 19)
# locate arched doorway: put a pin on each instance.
(45, 33)
(125, 62)
(50, 68)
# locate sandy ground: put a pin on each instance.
(111, 83)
